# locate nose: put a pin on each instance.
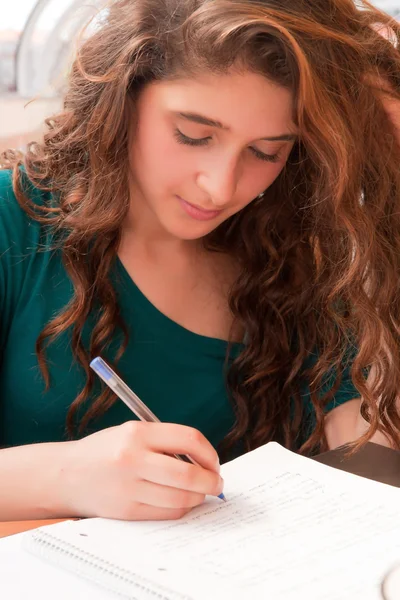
(219, 179)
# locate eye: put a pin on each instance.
(273, 158)
(181, 138)
(189, 141)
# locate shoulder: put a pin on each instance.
(337, 383)
(7, 197)
(27, 248)
(25, 243)
(18, 230)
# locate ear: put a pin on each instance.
(389, 98)
(392, 108)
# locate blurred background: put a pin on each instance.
(37, 40)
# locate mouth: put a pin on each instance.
(198, 213)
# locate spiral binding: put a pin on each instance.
(105, 573)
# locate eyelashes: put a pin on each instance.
(181, 138)
(188, 141)
(273, 158)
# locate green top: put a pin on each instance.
(177, 373)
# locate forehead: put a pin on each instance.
(244, 102)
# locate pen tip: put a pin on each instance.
(222, 497)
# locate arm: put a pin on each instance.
(345, 424)
(32, 481)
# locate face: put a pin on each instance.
(204, 148)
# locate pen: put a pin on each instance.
(132, 400)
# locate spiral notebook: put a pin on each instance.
(291, 528)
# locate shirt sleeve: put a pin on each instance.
(19, 240)
(345, 391)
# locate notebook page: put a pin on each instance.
(23, 575)
(290, 526)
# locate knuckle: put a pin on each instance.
(173, 498)
(186, 499)
(122, 455)
(195, 435)
(187, 475)
(133, 429)
(127, 449)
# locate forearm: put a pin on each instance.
(33, 482)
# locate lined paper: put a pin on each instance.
(291, 528)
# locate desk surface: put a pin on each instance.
(11, 527)
(372, 461)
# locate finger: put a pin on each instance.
(145, 512)
(171, 438)
(162, 496)
(168, 471)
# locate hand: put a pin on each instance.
(127, 472)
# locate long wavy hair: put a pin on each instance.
(319, 254)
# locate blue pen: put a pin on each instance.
(132, 400)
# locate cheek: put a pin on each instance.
(161, 159)
(258, 179)
(273, 172)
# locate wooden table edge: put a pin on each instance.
(12, 527)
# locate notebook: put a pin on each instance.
(292, 528)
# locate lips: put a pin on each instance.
(197, 213)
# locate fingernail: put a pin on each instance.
(221, 486)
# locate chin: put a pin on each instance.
(191, 233)
(189, 236)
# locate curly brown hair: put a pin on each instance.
(319, 254)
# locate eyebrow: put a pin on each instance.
(202, 120)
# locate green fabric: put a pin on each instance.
(346, 391)
(179, 374)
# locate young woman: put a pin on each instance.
(216, 213)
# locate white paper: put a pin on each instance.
(26, 577)
(291, 528)
(391, 585)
